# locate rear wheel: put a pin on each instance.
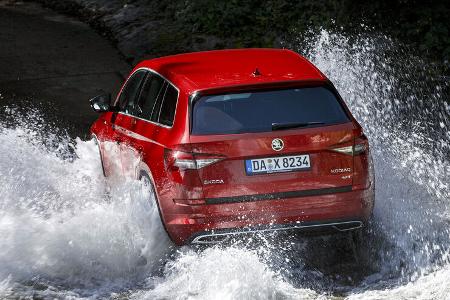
(148, 193)
(157, 242)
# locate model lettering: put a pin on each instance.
(340, 170)
(213, 181)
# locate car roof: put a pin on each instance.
(222, 68)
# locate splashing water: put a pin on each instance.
(65, 233)
(58, 224)
(405, 113)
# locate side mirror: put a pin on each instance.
(101, 103)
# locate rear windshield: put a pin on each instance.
(259, 111)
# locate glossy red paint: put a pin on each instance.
(221, 196)
(221, 69)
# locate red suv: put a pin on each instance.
(238, 141)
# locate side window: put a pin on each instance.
(151, 90)
(168, 107)
(130, 92)
(157, 108)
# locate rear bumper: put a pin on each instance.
(344, 210)
(221, 235)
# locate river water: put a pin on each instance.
(66, 233)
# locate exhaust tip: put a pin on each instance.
(211, 239)
(348, 226)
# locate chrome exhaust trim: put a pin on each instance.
(213, 238)
(219, 237)
(348, 226)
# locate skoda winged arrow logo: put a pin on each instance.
(277, 144)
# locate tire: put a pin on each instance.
(158, 242)
(149, 190)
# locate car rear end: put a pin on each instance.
(264, 158)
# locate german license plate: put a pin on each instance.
(277, 164)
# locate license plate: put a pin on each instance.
(277, 164)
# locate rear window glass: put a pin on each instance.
(258, 111)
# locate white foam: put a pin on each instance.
(58, 223)
(231, 273)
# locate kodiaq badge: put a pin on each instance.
(277, 144)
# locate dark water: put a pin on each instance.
(65, 234)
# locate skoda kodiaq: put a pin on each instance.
(238, 141)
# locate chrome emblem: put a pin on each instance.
(277, 144)
(213, 181)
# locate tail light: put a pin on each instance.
(176, 159)
(360, 146)
(362, 164)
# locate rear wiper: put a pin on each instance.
(281, 126)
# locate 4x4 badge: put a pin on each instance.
(277, 144)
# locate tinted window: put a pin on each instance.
(157, 108)
(257, 111)
(130, 92)
(151, 90)
(168, 107)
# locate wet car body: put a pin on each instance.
(227, 141)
